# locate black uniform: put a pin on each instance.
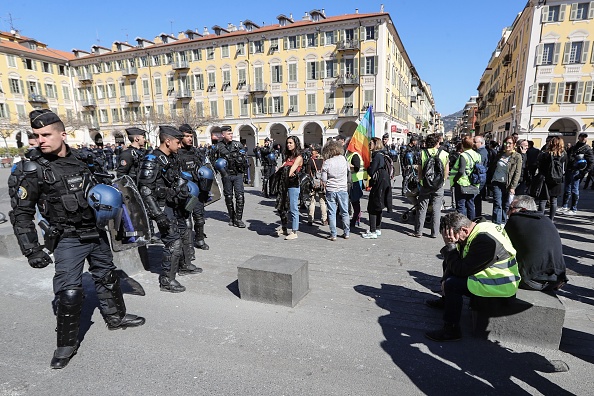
(234, 153)
(191, 159)
(58, 187)
(129, 163)
(108, 157)
(268, 168)
(165, 194)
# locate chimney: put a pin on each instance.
(306, 16)
(356, 10)
(324, 11)
(205, 31)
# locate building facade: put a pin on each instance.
(539, 81)
(313, 78)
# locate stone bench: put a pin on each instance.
(273, 280)
(531, 318)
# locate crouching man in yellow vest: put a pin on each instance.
(479, 260)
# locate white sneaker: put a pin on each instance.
(378, 232)
(291, 236)
(369, 235)
(562, 210)
(280, 232)
(571, 212)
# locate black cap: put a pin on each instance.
(185, 128)
(43, 118)
(385, 136)
(340, 137)
(268, 139)
(171, 131)
(583, 134)
(226, 128)
(135, 132)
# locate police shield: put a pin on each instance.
(134, 229)
(215, 190)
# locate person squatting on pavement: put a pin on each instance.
(334, 178)
(193, 161)
(538, 245)
(268, 165)
(234, 153)
(165, 195)
(62, 186)
(479, 260)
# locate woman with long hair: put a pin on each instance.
(380, 195)
(287, 201)
(551, 186)
(504, 174)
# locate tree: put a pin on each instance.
(8, 127)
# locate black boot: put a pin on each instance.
(170, 285)
(200, 244)
(230, 210)
(449, 332)
(239, 213)
(172, 255)
(112, 306)
(68, 323)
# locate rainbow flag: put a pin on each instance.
(360, 141)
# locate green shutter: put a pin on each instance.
(322, 39)
(285, 43)
(591, 10)
(545, 14)
(573, 12)
(588, 98)
(363, 62)
(566, 53)
(556, 52)
(356, 35)
(562, 12)
(316, 38)
(551, 95)
(280, 74)
(355, 66)
(580, 92)
(539, 53)
(335, 68)
(560, 91)
(282, 106)
(585, 46)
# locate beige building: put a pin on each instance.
(313, 77)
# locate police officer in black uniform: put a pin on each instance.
(165, 194)
(234, 153)
(268, 165)
(131, 157)
(57, 182)
(191, 159)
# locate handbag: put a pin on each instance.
(469, 190)
(536, 186)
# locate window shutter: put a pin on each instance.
(551, 93)
(562, 12)
(556, 52)
(532, 95)
(251, 49)
(573, 12)
(281, 104)
(376, 33)
(318, 66)
(270, 105)
(545, 14)
(363, 62)
(375, 64)
(309, 65)
(560, 91)
(316, 38)
(591, 10)
(341, 70)
(585, 46)
(285, 43)
(254, 108)
(588, 98)
(362, 33)
(566, 53)
(323, 39)
(356, 34)
(355, 66)
(335, 68)
(21, 86)
(336, 36)
(539, 53)
(580, 92)
(280, 74)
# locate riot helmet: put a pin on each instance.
(205, 178)
(192, 197)
(106, 202)
(186, 175)
(271, 157)
(580, 162)
(221, 165)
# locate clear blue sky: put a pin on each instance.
(449, 42)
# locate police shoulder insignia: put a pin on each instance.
(22, 192)
(123, 162)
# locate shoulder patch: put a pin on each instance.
(123, 162)
(22, 192)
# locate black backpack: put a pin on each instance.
(556, 169)
(433, 172)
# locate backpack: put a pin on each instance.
(317, 177)
(556, 170)
(389, 165)
(478, 175)
(433, 172)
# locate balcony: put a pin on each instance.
(183, 94)
(130, 72)
(93, 125)
(348, 111)
(131, 99)
(258, 88)
(181, 65)
(507, 60)
(36, 98)
(347, 45)
(90, 102)
(85, 77)
(413, 98)
(347, 80)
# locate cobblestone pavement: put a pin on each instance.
(360, 330)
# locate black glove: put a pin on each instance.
(163, 223)
(39, 259)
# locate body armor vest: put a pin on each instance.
(232, 152)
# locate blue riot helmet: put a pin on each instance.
(271, 157)
(186, 176)
(192, 197)
(205, 178)
(409, 158)
(221, 165)
(107, 203)
(580, 163)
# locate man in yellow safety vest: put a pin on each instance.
(480, 260)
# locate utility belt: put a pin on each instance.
(84, 234)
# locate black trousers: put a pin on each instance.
(233, 184)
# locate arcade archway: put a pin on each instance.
(279, 134)
(312, 134)
(348, 128)
(564, 125)
(247, 136)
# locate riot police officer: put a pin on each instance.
(268, 165)
(234, 153)
(191, 160)
(165, 194)
(131, 157)
(60, 185)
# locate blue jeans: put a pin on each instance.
(342, 198)
(500, 202)
(572, 189)
(294, 207)
(464, 203)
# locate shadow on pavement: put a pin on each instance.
(577, 293)
(233, 287)
(578, 344)
(470, 366)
